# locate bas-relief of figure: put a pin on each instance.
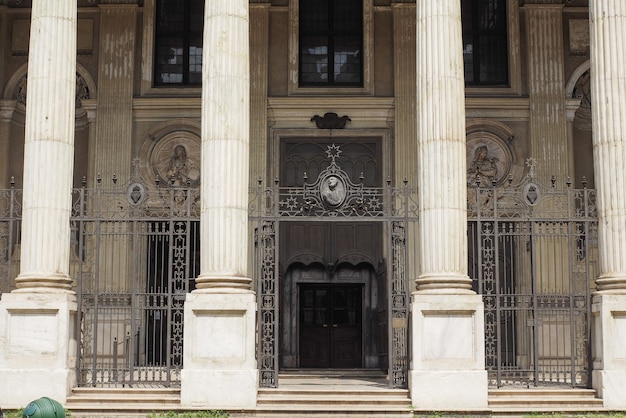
(483, 167)
(333, 191)
(180, 168)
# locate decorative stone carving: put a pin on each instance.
(330, 121)
(333, 190)
(532, 194)
(82, 90)
(175, 160)
(135, 193)
(582, 91)
(488, 161)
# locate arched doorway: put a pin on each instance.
(332, 317)
(332, 262)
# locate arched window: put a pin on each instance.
(178, 42)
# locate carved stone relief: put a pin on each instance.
(488, 160)
(81, 93)
(582, 91)
(175, 160)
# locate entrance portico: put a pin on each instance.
(38, 330)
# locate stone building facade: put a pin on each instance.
(325, 171)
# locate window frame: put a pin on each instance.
(147, 60)
(514, 86)
(478, 34)
(332, 33)
(186, 36)
(367, 87)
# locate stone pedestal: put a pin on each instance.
(609, 349)
(37, 347)
(448, 353)
(219, 354)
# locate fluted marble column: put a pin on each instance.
(49, 148)
(38, 318)
(441, 149)
(225, 147)
(608, 90)
(608, 87)
(224, 375)
(443, 308)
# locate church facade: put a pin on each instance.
(206, 194)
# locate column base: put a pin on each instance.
(609, 349)
(450, 390)
(448, 353)
(220, 370)
(37, 347)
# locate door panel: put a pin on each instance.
(345, 338)
(330, 326)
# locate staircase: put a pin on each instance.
(334, 394)
(517, 402)
(127, 402)
(337, 393)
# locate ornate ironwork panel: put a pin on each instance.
(333, 195)
(136, 256)
(10, 227)
(533, 257)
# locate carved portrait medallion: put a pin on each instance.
(488, 160)
(175, 160)
(333, 191)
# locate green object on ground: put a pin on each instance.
(44, 408)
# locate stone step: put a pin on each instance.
(122, 401)
(320, 373)
(519, 401)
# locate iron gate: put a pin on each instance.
(10, 228)
(136, 256)
(334, 197)
(533, 257)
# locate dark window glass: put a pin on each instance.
(331, 43)
(178, 42)
(485, 42)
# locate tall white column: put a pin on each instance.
(608, 87)
(37, 342)
(49, 148)
(223, 374)
(225, 146)
(441, 149)
(444, 375)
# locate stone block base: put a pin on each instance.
(223, 389)
(449, 390)
(220, 369)
(609, 349)
(20, 387)
(37, 347)
(448, 353)
(611, 387)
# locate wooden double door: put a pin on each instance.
(331, 325)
